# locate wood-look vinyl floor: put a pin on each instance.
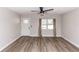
(45, 44)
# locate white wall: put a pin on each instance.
(34, 18)
(70, 27)
(25, 27)
(9, 27)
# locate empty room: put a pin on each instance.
(39, 29)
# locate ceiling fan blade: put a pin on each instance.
(42, 11)
(48, 10)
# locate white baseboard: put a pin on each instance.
(9, 43)
(58, 35)
(43, 35)
(71, 42)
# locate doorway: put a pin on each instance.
(26, 27)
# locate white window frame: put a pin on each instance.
(47, 24)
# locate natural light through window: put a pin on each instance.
(50, 26)
(44, 27)
(47, 24)
(26, 21)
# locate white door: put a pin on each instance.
(26, 27)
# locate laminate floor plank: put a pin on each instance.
(44, 44)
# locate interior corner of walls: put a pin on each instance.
(9, 43)
(76, 45)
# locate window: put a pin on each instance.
(25, 21)
(50, 26)
(47, 24)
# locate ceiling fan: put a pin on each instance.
(42, 11)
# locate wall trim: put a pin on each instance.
(43, 36)
(9, 43)
(76, 45)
